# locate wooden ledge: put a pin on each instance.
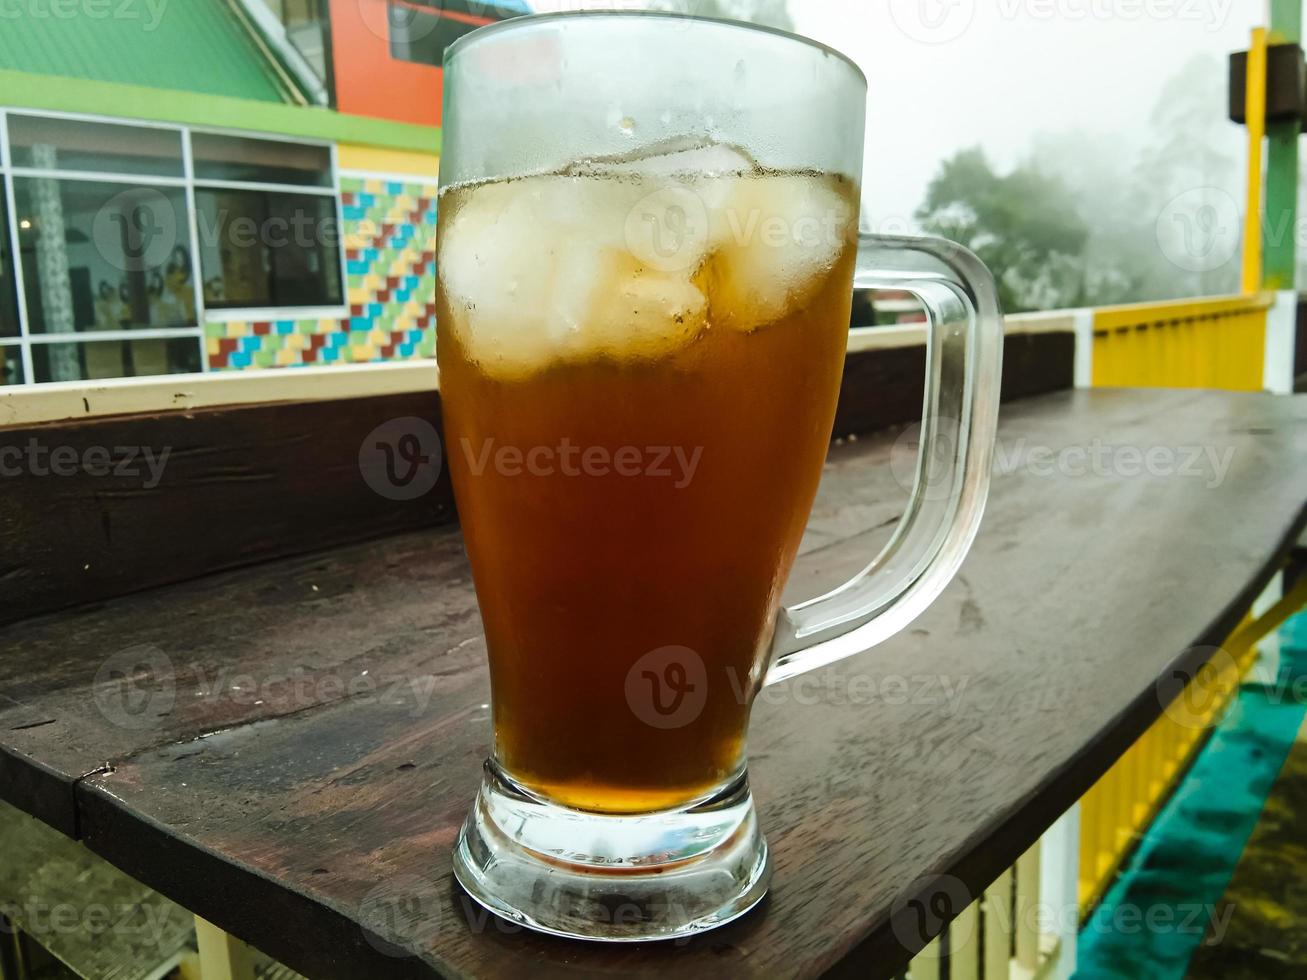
(70, 400)
(260, 465)
(302, 738)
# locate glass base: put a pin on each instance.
(616, 878)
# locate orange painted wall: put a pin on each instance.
(369, 82)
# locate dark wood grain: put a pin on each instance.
(238, 485)
(253, 483)
(316, 820)
(884, 387)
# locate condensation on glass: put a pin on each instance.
(648, 237)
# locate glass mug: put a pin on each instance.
(647, 250)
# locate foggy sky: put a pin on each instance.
(945, 74)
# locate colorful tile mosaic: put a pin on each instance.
(390, 262)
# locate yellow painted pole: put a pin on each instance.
(1254, 630)
(222, 955)
(998, 927)
(1255, 113)
(1028, 911)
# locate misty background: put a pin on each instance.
(1081, 147)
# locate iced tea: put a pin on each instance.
(639, 360)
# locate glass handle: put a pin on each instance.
(964, 362)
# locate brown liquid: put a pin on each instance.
(581, 571)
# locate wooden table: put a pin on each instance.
(305, 736)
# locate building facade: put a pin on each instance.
(219, 185)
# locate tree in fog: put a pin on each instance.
(1122, 262)
(1092, 219)
(1185, 160)
(1140, 200)
(1188, 122)
(1024, 225)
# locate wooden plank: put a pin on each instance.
(964, 961)
(1028, 908)
(999, 927)
(230, 485)
(926, 964)
(328, 815)
(222, 955)
(884, 387)
(914, 334)
(220, 389)
(193, 392)
(157, 676)
(141, 501)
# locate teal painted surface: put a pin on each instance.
(1280, 249)
(1167, 901)
(186, 45)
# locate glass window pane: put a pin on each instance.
(260, 161)
(268, 249)
(233, 263)
(115, 359)
(65, 144)
(421, 32)
(305, 250)
(11, 365)
(103, 256)
(8, 284)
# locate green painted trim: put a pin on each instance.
(21, 90)
(1279, 230)
(1286, 21)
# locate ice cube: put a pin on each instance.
(667, 229)
(773, 240)
(493, 275)
(668, 225)
(541, 270)
(692, 156)
(643, 314)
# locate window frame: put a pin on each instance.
(14, 271)
(26, 338)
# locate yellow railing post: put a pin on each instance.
(1255, 114)
(222, 955)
